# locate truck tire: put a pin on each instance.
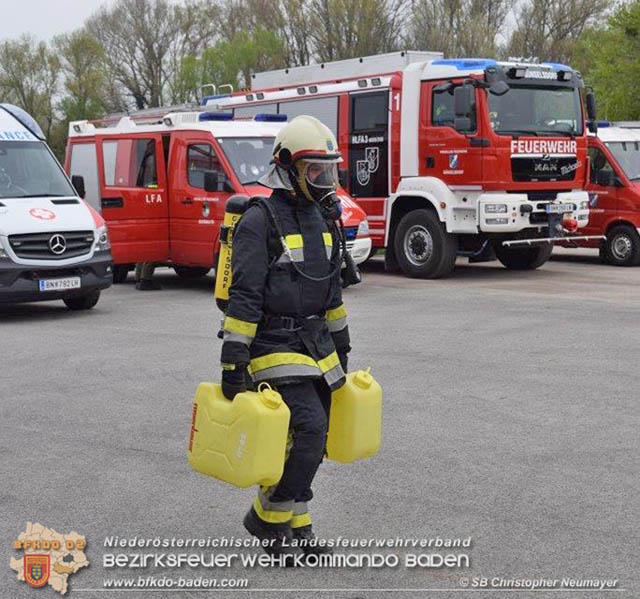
(120, 273)
(422, 246)
(527, 258)
(83, 302)
(191, 272)
(622, 246)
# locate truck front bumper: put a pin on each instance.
(513, 212)
(20, 283)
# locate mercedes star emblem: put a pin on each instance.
(57, 244)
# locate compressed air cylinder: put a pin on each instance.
(241, 442)
(355, 420)
(236, 205)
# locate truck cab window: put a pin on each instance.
(130, 163)
(602, 172)
(442, 110)
(201, 158)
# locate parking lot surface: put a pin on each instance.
(511, 416)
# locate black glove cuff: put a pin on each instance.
(342, 341)
(234, 352)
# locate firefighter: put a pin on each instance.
(285, 322)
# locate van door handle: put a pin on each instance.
(112, 202)
(187, 201)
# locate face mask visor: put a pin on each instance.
(321, 175)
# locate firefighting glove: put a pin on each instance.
(234, 359)
(233, 381)
(344, 361)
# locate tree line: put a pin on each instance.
(138, 54)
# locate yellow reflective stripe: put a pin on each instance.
(294, 242)
(271, 516)
(280, 359)
(234, 325)
(337, 313)
(301, 520)
(328, 240)
(331, 361)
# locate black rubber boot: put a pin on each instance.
(148, 285)
(308, 542)
(279, 534)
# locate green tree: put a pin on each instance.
(609, 58)
(349, 28)
(29, 76)
(550, 29)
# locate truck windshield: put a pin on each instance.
(540, 110)
(28, 170)
(627, 155)
(249, 156)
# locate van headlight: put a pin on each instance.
(363, 228)
(102, 240)
(495, 208)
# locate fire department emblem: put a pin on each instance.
(36, 569)
(454, 161)
(42, 213)
(364, 175)
(373, 158)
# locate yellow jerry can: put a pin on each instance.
(355, 420)
(241, 442)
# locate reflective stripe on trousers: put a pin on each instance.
(269, 511)
(301, 516)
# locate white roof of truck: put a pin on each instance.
(611, 134)
(179, 121)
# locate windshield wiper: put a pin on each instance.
(636, 178)
(255, 182)
(517, 132)
(43, 195)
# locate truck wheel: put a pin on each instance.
(528, 258)
(120, 273)
(622, 246)
(84, 302)
(191, 272)
(422, 247)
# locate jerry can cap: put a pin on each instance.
(363, 379)
(269, 397)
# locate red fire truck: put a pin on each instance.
(614, 192)
(464, 157)
(161, 179)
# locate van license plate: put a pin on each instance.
(59, 284)
(559, 208)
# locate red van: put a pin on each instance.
(161, 181)
(614, 193)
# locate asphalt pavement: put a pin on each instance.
(511, 417)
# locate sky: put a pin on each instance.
(44, 18)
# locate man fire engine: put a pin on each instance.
(464, 157)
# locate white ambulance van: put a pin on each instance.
(53, 245)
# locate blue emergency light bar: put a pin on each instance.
(216, 116)
(273, 118)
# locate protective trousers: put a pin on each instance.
(309, 402)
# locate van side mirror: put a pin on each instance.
(463, 98)
(78, 183)
(590, 100)
(499, 88)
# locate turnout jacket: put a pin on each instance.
(313, 337)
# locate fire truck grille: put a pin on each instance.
(543, 169)
(51, 246)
